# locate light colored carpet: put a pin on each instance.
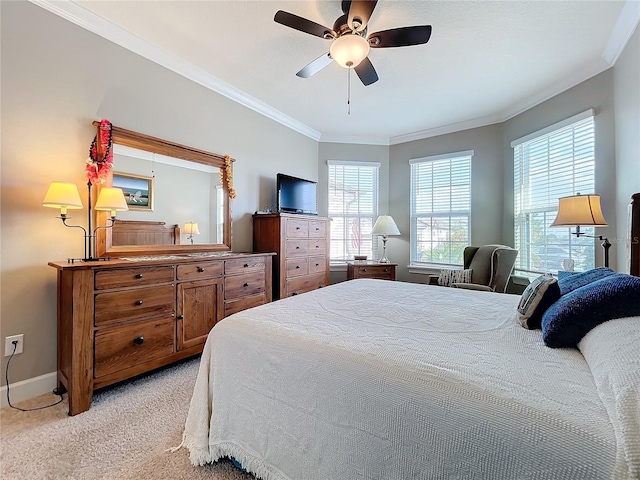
(125, 434)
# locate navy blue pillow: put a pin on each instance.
(569, 283)
(570, 318)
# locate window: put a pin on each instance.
(353, 208)
(552, 163)
(440, 208)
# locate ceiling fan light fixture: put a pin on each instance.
(349, 50)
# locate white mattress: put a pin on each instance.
(371, 379)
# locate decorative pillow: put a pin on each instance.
(539, 295)
(447, 277)
(569, 283)
(570, 318)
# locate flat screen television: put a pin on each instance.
(296, 195)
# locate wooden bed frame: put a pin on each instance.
(134, 232)
(634, 234)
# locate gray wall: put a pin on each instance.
(626, 84)
(486, 187)
(56, 79)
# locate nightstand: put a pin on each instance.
(369, 269)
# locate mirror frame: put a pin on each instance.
(121, 136)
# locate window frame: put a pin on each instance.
(467, 155)
(359, 215)
(525, 211)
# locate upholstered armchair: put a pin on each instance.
(490, 265)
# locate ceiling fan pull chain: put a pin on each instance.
(349, 91)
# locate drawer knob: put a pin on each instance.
(297, 228)
(246, 265)
(294, 293)
(138, 340)
(139, 275)
(385, 270)
(297, 248)
(138, 302)
(297, 266)
(200, 269)
(180, 317)
(246, 284)
(320, 286)
(317, 264)
(364, 269)
(317, 246)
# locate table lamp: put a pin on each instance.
(385, 226)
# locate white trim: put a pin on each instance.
(423, 270)
(338, 267)
(353, 163)
(556, 126)
(354, 139)
(94, 23)
(622, 31)
(27, 389)
(466, 153)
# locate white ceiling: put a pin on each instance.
(486, 60)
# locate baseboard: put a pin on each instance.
(27, 389)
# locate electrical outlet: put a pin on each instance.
(8, 344)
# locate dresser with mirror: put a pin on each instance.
(156, 291)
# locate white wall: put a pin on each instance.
(626, 82)
(56, 79)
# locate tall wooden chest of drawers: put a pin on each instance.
(120, 318)
(301, 245)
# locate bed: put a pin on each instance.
(371, 379)
(139, 232)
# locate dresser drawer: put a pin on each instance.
(296, 286)
(196, 271)
(317, 264)
(317, 247)
(120, 348)
(295, 248)
(132, 277)
(134, 304)
(235, 306)
(244, 285)
(297, 267)
(232, 267)
(297, 228)
(377, 271)
(317, 229)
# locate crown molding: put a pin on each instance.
(96, 24)
(625, 26)
(358, 140)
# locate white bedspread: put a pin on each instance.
(371, 379)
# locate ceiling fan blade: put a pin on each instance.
(315, 66)
(307, 26)
(400, 37)
(359, 14)
(366, 72)
(345, 6)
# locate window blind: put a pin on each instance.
(554, 164)
(440, 208)
(353, 208)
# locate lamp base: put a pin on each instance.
(384, 258)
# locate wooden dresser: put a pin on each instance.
(120, 318)
(301, 245)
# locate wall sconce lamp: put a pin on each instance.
(65, 196)
(583, 210)
(191, 229)
(385, 226)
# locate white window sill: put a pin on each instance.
(430, 269)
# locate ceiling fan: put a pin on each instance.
(350, 43)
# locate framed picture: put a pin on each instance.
(138, 190)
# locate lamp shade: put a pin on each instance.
(349, 50)
(64, 196)
(579, 210)
(385, 226)
(111, 199)
(191, 228)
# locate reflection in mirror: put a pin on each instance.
(182, 192)
(167, 185)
